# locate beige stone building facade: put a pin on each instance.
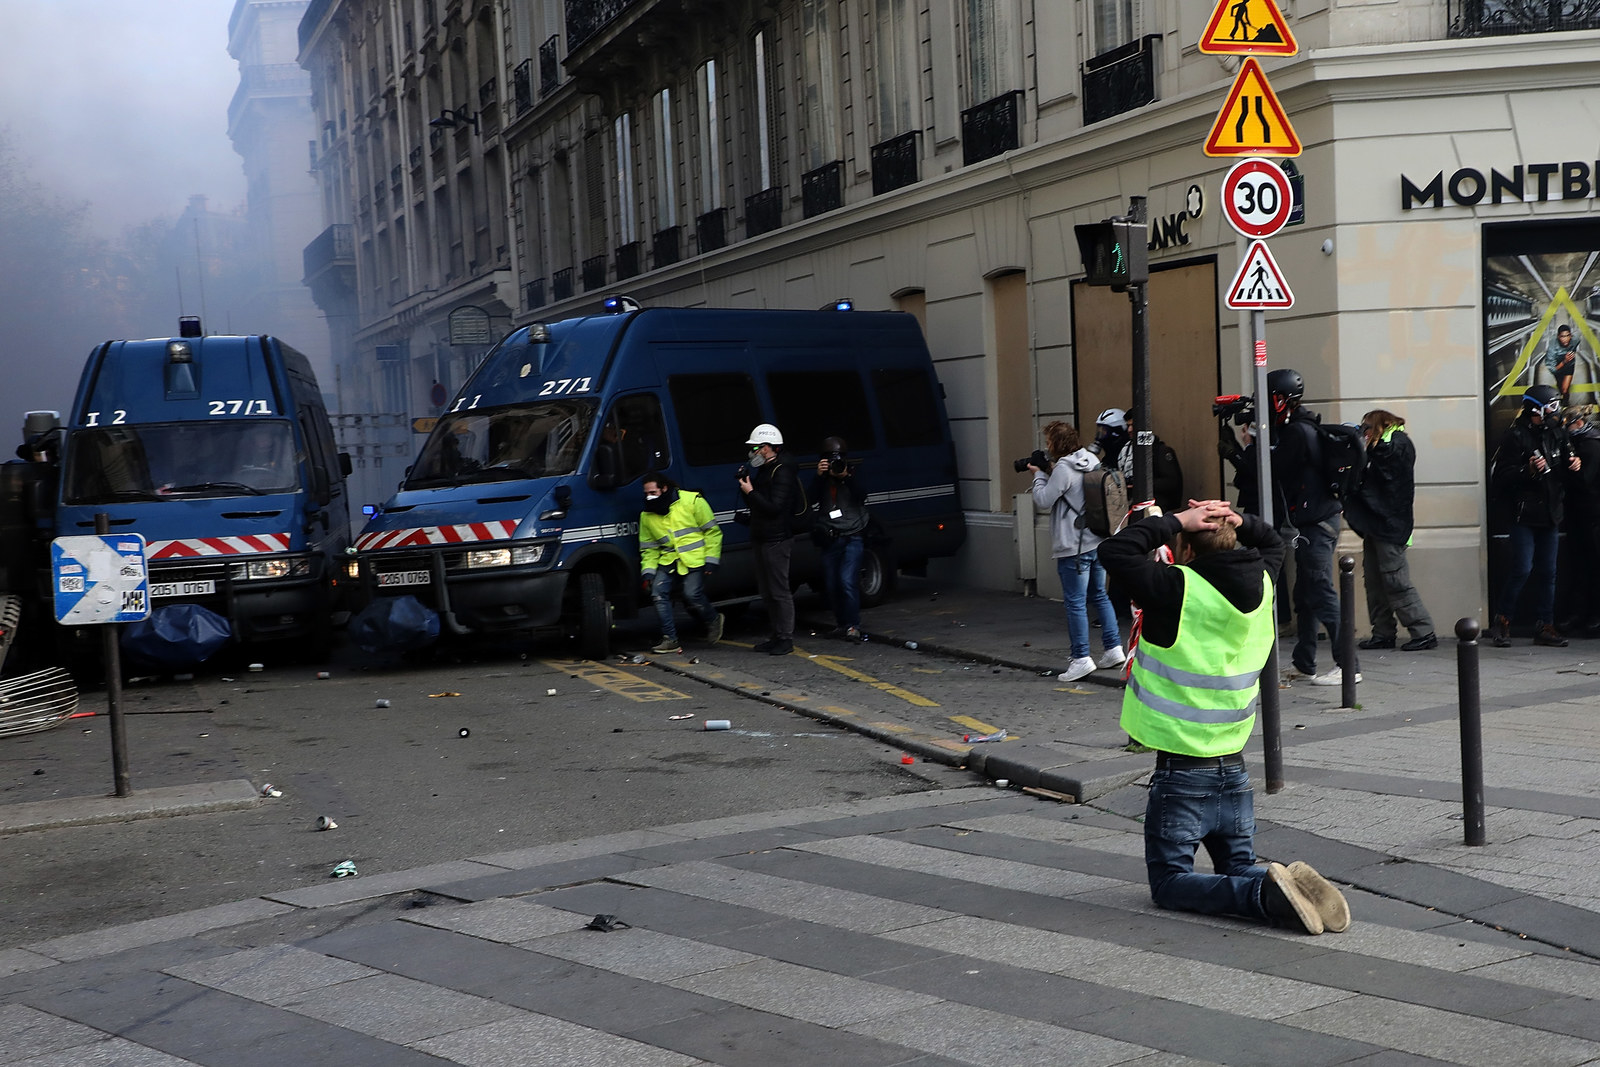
(529, 157)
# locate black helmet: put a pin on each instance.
(1286, 382)
(1540, 397)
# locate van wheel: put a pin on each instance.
(594, 617)
(877, 578)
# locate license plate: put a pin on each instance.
(405, 578)
(203, 588)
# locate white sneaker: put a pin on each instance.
(1078, 668)
(1332, 676)
(1111, 657)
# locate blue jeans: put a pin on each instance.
(1532, 562)
(1314, 599)
(694, 595)
(1083, 579)
(841, 567)
(1214, 807)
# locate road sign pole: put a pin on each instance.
(1144, 430)
(1271, 721)
(110, 634)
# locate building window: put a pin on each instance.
(990, 49)
(820, 47)
(666, 168)
(894, 41)
(627, 223)
(1116, 22)
(709, 134)
(764, 138)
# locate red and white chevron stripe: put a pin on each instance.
(460, 533)
(194, 547)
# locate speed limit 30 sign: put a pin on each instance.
(1256, 198)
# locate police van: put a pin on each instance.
(219, 451)
(521, 512)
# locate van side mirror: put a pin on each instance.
(346, 467)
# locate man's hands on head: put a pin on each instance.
(1207, 515)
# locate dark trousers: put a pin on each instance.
(841, 569)
(1390, 594)
(772, 580)
(1214, 807)
(1315, 602)
(1531, 563)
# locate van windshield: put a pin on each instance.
(173, 460)
(504, 443)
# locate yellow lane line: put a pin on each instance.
(621, 683)
(974, 725)
(837, 663)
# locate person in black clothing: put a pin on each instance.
(1304, 500)
(1525, 484)
(1381, 512)
(840, 530)
(1113, 439)
(772, 493)
(1580, 570)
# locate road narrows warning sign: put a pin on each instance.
(1253, 27)
(1259, 283)
(1252, 122)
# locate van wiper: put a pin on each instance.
(500, 472)
(129, 494)
(204, 487)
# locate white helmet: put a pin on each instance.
(765, 434)
(1115, 418)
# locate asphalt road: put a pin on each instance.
(553, 749)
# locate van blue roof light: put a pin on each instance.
(189, 326)
(617, 305)
(842, 304)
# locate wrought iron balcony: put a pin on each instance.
(549, 65)
(711, 230)
(991, 128)
(822, 190)
(628, 257)
(333, 248)
(561, 284)
(533, 294)
(763, 212)
(1503, 18)
(585, 18)
(594, 272)
(522, 85)
(664, 246)
(894, 163)
(1120, 80)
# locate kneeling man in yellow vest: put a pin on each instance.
(1208, 626)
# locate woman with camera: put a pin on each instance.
(840, 532)
(1058, 486)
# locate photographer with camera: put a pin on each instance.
(1058, 487)
(840, 531)
(772, 493)
(1525, 484)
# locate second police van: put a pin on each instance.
(521, 512)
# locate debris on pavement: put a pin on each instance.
(606, 924)
(346, 869)
(718, 724)
(325, 823)
(258, 667)
(675, 718)
(978, 739)
(446, 693)
(270, 790)
(380, 703)
(463, 732)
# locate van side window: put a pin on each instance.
(814, 405)
(633, 440)
(715, 413)
(905, 400)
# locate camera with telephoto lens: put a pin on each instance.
(1241, 409)
(1038, 459)
(838, 461)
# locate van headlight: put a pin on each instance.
(489, 557)
(281, 567)
(529, 553)
(352, 568)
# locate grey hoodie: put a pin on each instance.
(1062, 494)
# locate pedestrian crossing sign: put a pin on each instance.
(1252, 122)
(1252, 27)
(1259, 283)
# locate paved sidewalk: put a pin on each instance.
(970, 925)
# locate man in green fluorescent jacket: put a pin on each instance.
(1207, 628)
(679, 543)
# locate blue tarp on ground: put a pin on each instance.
(395, 624)
(178, 635)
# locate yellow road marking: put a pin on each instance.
(893, 727)
(925, 670)
(974, 725)
(1070, 689)
(837, 663)
(621, 683)
(837, 710)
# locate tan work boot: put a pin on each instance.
(1331, 906)
(1286, 903)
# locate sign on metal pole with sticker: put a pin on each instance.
(99, 579)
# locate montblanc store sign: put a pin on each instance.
(1528, 183)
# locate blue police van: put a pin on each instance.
(219, 451)
(521, 512)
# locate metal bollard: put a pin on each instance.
(1347, 631)
(1471, 730)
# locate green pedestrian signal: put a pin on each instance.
(1114, 253)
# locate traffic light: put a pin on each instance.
(1114, 253)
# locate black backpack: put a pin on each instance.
(1344, 455)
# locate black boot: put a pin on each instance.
(1545, 634)
(1500, 632)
